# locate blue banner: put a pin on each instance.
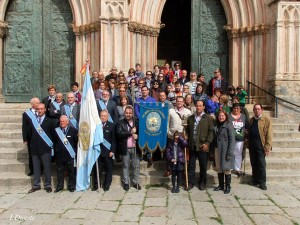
(153, 126)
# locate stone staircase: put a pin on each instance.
(282, 165)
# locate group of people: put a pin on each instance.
(205, 120)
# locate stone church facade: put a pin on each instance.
(263, 39)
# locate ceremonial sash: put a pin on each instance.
(71, 117)
(56, 105)
(39, 129)
(103, 106)
(65, 141)
(106, 144)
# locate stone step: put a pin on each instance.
(11, 153)
(286, 134)
(13, 179)
(10, 134)
(5, 111)
(21, 165)
(12, 126)
(22, 106)
(11, 118)
(286, 143)
(12, 143)
(285, 127)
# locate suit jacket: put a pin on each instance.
(61, 152)
(111, 108)
(75, 112)
(123, 134)
(53, 113)
(204, 131)
(37, 145)
(25, 126)
(109, 136)
(47, 103)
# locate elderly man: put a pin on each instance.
(108, 150)
(109, 105)
(113, 74)
(71, 110)
(26, 120)
(65, 146)
(260, 145)
(127, 135)
(41, 132)
(55, 107)
(192, 84)
(200, 131)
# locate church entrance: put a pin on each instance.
(194, 35)
(39, 48)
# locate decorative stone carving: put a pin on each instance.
(3, 29)
(86, 28)
(256, 29)
(143, 29)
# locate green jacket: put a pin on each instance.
(204, 131)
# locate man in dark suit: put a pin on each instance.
(55, 107)
(25, 132)
(71, 110)
(41, 130)
(49, 99)
(109, 105)
(65, 145)
(108, 149)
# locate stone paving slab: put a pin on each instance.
(154, 205)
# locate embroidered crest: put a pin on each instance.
(153, 121)
(84, 135)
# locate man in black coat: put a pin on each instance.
(109, 105)
(40, 137)
(49, 99)
(25, 129)
(108, 149)
(65, 145)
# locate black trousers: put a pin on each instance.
(60, 167)
(202, 158)
(258, 164)
(104, 164)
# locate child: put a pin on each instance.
(76, 92)
(175, 157)
(212, 105)
(241, 93)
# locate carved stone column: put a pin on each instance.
(3, 27)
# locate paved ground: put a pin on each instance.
(280, 204)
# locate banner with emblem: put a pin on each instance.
(153, 126)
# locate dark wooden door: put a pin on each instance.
(39, 48)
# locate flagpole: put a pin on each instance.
(133, 102)
(98, 179)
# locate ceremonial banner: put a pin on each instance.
(90, 135)
(153, 126)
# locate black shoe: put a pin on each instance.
(106, 189)
(202, 187)
(72, 189)
(126, 187)
(34, 189)
(58, 190)
(94, 188)
(173, 190)
(177, 190)
(137, 186)
(219, 188)
(48, 189)
(190, 187)
(30, 173)
(263, 187)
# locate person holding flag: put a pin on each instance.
(90, 135)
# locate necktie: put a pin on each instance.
(36, 114)
(39, 120)
(64, 130)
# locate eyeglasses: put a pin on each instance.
(177, 65)
(149, 74)
(155, 84)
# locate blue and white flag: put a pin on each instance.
(90, 135)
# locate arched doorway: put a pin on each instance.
(174, 40)
(39, 48)
(194, 35)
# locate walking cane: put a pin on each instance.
(133, 102)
